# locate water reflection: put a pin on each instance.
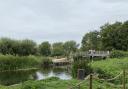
(61, 73)
(14, 77)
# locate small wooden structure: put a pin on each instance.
(60, 62)
(81, 74)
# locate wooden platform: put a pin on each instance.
(61, 61)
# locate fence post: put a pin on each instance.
(78, 86)
(124, 79)
(90, 84)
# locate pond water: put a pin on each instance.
(15, 77)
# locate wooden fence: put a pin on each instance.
(90, 78)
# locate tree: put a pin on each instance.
(69, 47)
(91, 40)
(7, 46)
(27, 47)
(115, 36)
(45, 48)
(57, 49)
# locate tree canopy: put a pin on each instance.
(70, 46)
(45, 48)
(110, 37)
(57, 49)
(115, 36)
(91, 40)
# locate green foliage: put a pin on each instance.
(8, 78)
(81, 64)
(7, 46)
(9, 62)
(70, 47)
(118, 54)
(46, 62)
(111, 36)
(57, 49)
(115, 36)
(91, 40)
(79, 57)
(15, 47)
(54, 83)
(110, 67)
(27, 47)
(45, 49)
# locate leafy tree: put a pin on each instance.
(6, 46)
(115, 36)
(57, 49)
(69, 47)
(91, 40)
(27, 47)
(45, 48)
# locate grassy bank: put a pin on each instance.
(9, 62)
(55, 83)
(110, 67)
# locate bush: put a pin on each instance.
(9, 62)
(80, 65)
(46, 62)
(78, 57)
(118, 54)
(38, 84)
(110, 68)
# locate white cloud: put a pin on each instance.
(57, 20)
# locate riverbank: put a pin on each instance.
(106, 69)
(55, 83)
(15, 63)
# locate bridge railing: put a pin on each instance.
(93, 53)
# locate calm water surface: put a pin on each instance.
(10, 78)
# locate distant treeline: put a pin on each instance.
(110, 37)
(29, 47)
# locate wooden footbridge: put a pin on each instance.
(93, 53)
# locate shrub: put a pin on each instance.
(118, 54)
(78, 57)
(46, 62)
(80, 65)
(9, 62)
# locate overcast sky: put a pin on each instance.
(57, 20)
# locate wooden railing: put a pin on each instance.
(93, 53)
(93, 77)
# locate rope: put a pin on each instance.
(111, 78)
(95, 76)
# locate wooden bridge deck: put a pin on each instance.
(94, 54)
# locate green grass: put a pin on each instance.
(111, 67)
(108, 68)
(55, 83)
(9, 62)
